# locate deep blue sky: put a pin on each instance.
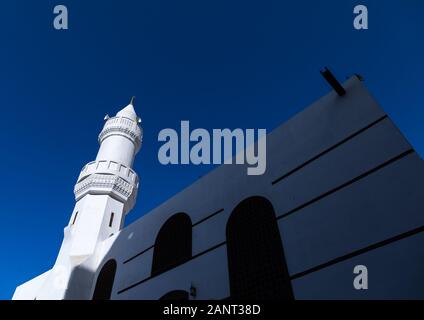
(217, 63)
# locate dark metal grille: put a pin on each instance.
(256, 261)
(173, 243)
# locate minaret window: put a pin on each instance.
(75, 218)
(173, 243)
(111, 219)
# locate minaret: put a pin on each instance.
(108, 185)
(105, 192)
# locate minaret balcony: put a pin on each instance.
(110, 178)
(109, 168)
(105, 184)
(124, 126)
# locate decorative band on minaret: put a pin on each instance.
(111, 172)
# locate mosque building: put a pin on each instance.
(343, 188)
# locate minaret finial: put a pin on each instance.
(132, 100)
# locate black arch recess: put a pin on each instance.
(176, 295)
(105, 280)
(256, 262)
(173, 243)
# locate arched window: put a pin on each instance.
(105, 280)
(256, 262)
(173, 243)
(176, 295)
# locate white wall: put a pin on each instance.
(381, 205)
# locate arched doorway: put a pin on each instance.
(105, 280)
(256, 262)
(173, 243)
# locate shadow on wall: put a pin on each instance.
(82, 281)
(80, 284)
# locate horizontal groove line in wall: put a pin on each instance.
(359, 252)
(322, 153)
(154, 276)
(138, 254)
(208, 217)
(344, 185)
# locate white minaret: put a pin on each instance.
(105, 192)
(107, 187)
